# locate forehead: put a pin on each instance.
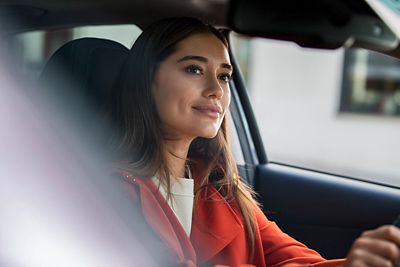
(203, 44)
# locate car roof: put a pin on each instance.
(326, 24)
(38, 14)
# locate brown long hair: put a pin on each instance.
(140, 133)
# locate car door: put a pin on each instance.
(324, 210)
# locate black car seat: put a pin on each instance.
(79, 78)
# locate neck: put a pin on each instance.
(177, 152)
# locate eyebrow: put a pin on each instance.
(203, 59)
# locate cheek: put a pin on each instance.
(172, 100)
(163, 91)
(226, 101)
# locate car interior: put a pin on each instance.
(324, 210)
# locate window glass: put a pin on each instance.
(241, 48)
(371, 83)
(32, 49)
(298, 97)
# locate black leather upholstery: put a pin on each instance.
(84, 70)
(79, 78)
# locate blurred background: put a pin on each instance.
(333, 111)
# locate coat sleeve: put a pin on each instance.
(282, 250)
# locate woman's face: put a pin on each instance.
(191, 88)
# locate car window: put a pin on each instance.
(33, 49)
(335, 111)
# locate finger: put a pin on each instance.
(360, 257)
(387, 232)
(354, 263)
(383, 248)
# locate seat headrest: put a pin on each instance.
(84, 71)
(78, 82)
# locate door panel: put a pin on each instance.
(325, 212)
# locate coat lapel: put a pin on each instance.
(162, 219)
(215, 224)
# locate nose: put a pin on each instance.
(214, 89)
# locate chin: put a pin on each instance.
(207, 132)
(209, 135)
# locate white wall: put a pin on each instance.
(295, 94)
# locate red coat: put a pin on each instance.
(218, 235)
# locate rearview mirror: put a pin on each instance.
(325, 24)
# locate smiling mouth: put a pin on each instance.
(210, 111)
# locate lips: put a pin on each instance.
(212, 111)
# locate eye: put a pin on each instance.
(193, 69)
(225, 77)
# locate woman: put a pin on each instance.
(173, 100)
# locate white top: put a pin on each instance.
(181, 200)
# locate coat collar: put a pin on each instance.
(161, 218)
(215, 223)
